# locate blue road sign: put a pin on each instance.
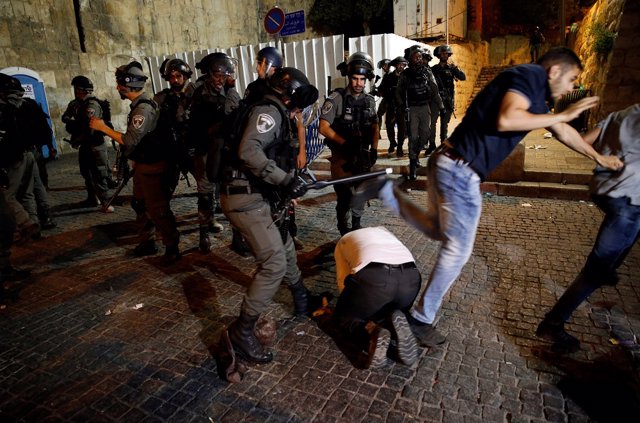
(293, 23)
(274, 20)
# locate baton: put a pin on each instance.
(349, 179)
(120, 187)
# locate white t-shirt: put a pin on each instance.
(358, 248)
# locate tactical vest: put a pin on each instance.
(206, 116)
(418, 90)
(355, 116)
(150, 149)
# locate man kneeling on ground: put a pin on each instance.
(378, 280)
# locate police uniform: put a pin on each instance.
(177, 105)
(417, 88)
(152, 176)
(92, 150)
(245, 201)
(445, 75)
(207, 114)
(394, 113)
(343, 111)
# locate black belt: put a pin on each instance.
(447, 150)
(385, 266)
(239, 189)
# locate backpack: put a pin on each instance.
(10, 142)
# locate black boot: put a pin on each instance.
(355, 223)
(205, 243)
(300, 298)
(239, 245)
(246, 345)
(412, 170)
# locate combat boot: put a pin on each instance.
(244, 341)
(412, 169)
(300, 298)
(205, 243)
(355, 223)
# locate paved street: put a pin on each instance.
(100, 336)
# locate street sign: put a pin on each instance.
(293, 23)
(274, 20)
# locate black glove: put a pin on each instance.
(296, 188)
(373, 155)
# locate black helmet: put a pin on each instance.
(383, 62)
(271, 56)
(342, 67)
(131, 75)
(408, 52)
(82, 82)
(398, 60)
(170, 65)
(216, 62)
(360, 63)
(442, 49)
(426, 56)
(293, 87)
(10, 84)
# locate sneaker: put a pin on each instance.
(47, 223)
(146, 248)
(562, 341)
(107, 210)
(426, 334)
(407, 346)
(379, 339)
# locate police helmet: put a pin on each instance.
(271, 56)
(442, 49)
(360, 63)
(342, 67)
(408, 52)
(171, 65)
(10, 84)
(383, 62)
(395, 62)
(131, 75)
(293, 87)
(426, 56)
(216, 62)
(82, 82)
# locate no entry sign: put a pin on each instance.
(274, 20)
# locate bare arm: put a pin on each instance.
(572, 139)
(99, 125)
(514, 115)
(301, 160)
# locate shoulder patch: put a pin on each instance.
(326, 107)
(265, 123)
(137, 121)
(334, 94)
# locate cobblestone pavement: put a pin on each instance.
(100, 336)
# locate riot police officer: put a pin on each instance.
(416, 90)
(211, 103)
(174, 104)
(445, 73)
(151, 155)
(394, 114)
(268, 60)
(350, 125)
(259, 184)
(383, 65)
(92, 150)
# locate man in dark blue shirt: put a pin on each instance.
(513, 104)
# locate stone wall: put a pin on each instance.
(471, 58)
(616, 77)
(43, 35)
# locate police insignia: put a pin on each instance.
(264, 123)
(326, 107)
(138, 121)
(91, 112)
